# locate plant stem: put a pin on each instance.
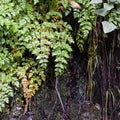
(58, 93)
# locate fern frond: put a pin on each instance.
(86, 18)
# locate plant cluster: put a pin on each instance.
(29, 35)
(111, 12)
(86, 19)
(31, 32)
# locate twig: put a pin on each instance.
(58, 93)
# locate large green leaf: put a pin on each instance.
(108, 6)
(108, 26)
(101, 12)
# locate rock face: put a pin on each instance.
(86, 111)
(89, 112)
(45, 105)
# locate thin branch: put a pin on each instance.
(58, 93)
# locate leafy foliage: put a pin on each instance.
(86, 18)
(32, 31)
(27, 40)
(110, 10)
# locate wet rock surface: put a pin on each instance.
(45, 105)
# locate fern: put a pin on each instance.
(27, 74)
(27, 40)
(60, 43)
(86, 18)
(114, 17)
(7, 77)
(61, 50)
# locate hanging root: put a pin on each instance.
(58, 94)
